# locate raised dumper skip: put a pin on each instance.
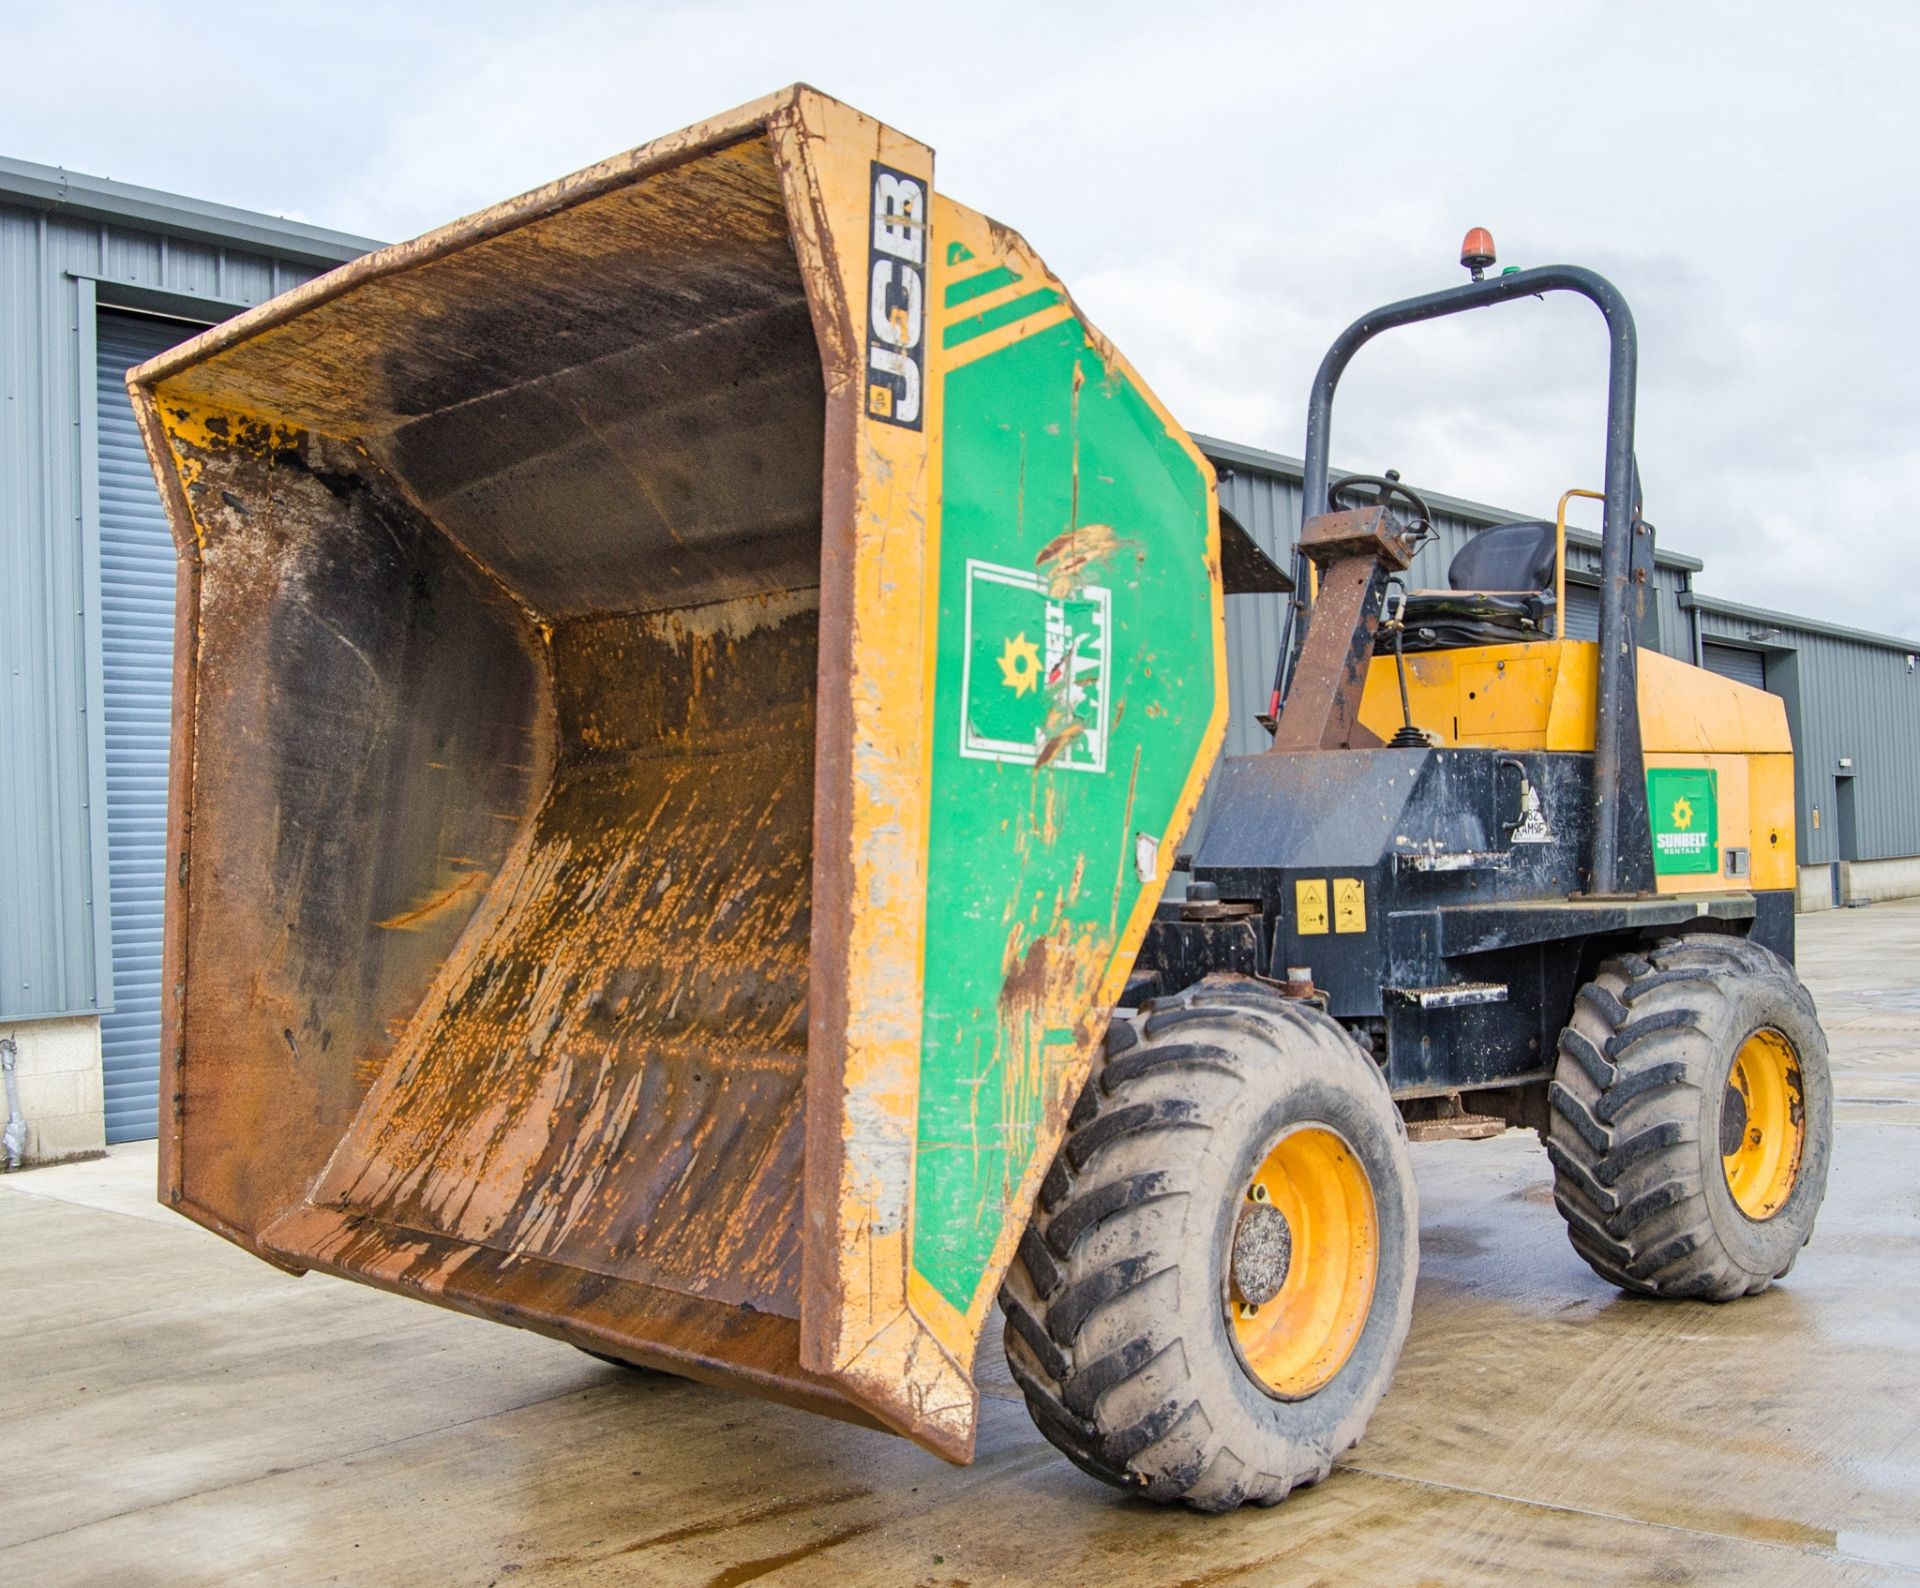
(690, 683)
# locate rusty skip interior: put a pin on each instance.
(501, 811)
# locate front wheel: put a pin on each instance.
(1218, 1278)
(1692, 1119)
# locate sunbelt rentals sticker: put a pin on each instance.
(1036, 682)
(1686, 820)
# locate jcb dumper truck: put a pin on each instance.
(690, 685)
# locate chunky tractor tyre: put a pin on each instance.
(1692, 1119)
(1214, 1289)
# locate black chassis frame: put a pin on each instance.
(1475, 928)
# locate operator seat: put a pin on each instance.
(1500, 591)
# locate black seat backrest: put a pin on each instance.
(1506, 557)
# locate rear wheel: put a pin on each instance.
(1218, 1278)
(1692, 1119)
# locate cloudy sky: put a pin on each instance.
(1223, 187)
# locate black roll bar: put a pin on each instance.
(1618, 778)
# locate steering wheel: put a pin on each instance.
(1407, 509)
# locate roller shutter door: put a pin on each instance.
(1583, 612)
(1735, 662)
(136, 621)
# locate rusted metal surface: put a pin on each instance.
(508, 696)
(1447, 1117)
(630, 1007)
(1354, 551)
(1245, 569)
(552, 814)
(371, 713)
(1329, 538)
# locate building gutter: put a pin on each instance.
(54, 190)
(1786, 621)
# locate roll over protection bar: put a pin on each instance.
(1621, 860)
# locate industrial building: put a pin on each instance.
(97, 276)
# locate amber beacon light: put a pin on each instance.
(1476, 251)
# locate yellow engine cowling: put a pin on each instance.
(1540, 696)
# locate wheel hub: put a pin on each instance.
(1763, 1124)
(1262, 1253)
(1301, 1269)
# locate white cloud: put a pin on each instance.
(1223, 187)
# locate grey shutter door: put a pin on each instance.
(1583, 612)
(136, 622)
(1735, 662)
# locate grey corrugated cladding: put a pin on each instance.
(1851, 696)
(69, 245)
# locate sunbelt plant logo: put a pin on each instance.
(1035, 685)
(1684, 810)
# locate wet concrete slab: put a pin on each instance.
(173, 1412)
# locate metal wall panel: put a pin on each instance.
(48, 843)
(57, 260)
(1852, 698)
(136, 620)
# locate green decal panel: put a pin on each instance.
(1074, 685)
(1004, 314)
(1685, 808)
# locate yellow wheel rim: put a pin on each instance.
(1295, 1338)
(1763, 1124)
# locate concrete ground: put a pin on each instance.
(173, 1412)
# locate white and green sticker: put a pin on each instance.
(1683, 804)
(1037, 677)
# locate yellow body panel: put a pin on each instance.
(1687, 709)
(1536, 696)
(1540, 696)
(1770, 790)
